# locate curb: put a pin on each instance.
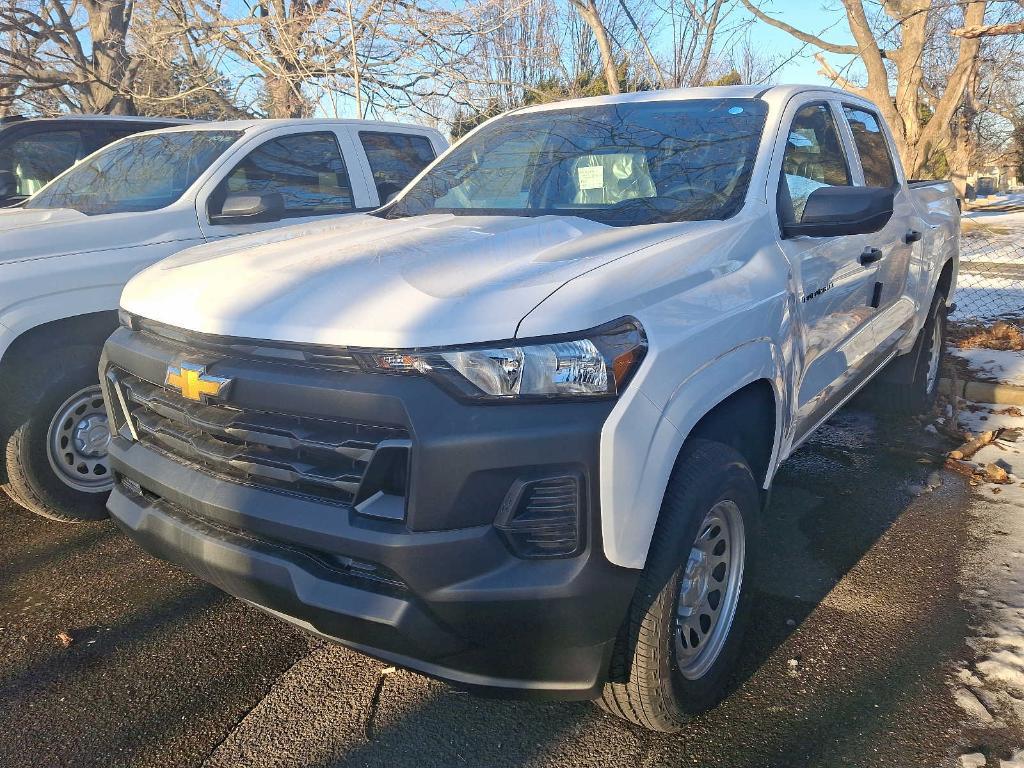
(984, 391)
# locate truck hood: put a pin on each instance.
(48, 232)
(365, 281)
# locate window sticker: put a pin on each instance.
(591, 177)
(802, 137)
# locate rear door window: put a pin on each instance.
(872, 147)
(307, 169)
(37, 158)
(395, 159)
(814, 158)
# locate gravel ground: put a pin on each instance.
(852, 660)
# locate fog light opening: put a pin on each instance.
(540, 518)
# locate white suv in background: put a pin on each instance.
(66, 253)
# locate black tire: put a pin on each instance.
(906, 387)
(646, 684)
(33, 392)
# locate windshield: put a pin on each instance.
(621, 164)
(139, 173)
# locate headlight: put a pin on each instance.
(597, 363)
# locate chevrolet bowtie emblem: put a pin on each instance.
(194, 383)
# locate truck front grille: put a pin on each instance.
(323, 458)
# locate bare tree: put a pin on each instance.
(76, 50)
(283, 40)
(590, 13)
(921, 116)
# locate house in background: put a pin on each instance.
(994, 175)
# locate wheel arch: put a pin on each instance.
(736, 399)
(90, 328)
(746, 421)
(945, 281)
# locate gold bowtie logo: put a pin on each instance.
(194, 383)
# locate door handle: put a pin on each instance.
(870, 255)
(912, 236)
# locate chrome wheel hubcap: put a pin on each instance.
(77, 442)
(709, 590)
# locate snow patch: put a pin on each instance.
(1002, 365)
(991, 689)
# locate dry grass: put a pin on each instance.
(998, 335)
(972, 227)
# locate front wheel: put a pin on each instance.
(55, 456)
(677, 649)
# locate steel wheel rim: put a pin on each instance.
(709, 590)
(77, 440)
(934, 358)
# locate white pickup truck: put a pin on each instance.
(67, 252)
(516, 428)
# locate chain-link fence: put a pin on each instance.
(991, 281)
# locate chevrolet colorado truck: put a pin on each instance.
(67, 252)
(35, 150)
(516, 428)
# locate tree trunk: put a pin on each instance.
(110, 91)
(592, 16)
(962, 152)
(283, 99)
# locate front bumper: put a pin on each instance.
(439, 591)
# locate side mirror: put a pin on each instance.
(835, 211)
(8, 184)
(250, 209)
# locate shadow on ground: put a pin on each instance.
(857, 625)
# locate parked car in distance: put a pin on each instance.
(67, 252)
(516, 428)
(34, 151)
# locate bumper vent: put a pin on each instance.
(322, 458)
(540, 518)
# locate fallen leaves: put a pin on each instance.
(999, 335)
(64, 640)
(1010, 410)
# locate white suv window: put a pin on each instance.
(307, 169)
(38, 158)
(395, 159)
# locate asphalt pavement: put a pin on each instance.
(858, 627)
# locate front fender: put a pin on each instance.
(33, 313)
(641, 440)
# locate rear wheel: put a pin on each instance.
(55, 450)
(677, 649)
(910, 384)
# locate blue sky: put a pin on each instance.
(825, 19)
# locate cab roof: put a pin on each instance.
(767, 92)
(22, 119)
(271, 123)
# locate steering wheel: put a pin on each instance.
(720, 197)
